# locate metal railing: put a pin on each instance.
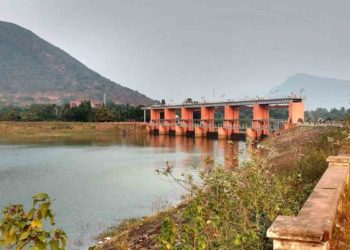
(271, 124)
(322, 124)
(263, 101)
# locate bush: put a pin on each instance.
(20, 229)
(234, 209)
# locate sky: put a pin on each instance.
(218, 49)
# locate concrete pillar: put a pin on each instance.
(170, 119)
(261, 118)
(251, 134)
(231, 118)
(163, 129)
(296, 112)
(222, 133)
(187, 119)
(199, 132)
(155, 114)
(155, 120)
(179, 130)
(149, 129)
(207, 118)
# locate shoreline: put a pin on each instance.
(141, 233)
(63, 129)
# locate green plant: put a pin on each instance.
(234, 209)
(20, 229)
(168, 235)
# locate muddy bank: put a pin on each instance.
(57, 129)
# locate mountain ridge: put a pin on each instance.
(320, 92)
(35, 71)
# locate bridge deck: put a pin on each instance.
(273, 101)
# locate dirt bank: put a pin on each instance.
(37, 129)
(283, 148)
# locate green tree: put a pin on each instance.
(25, 230)
(84, 112)
(29, 116)
(104, 115)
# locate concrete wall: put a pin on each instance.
(296, 112)
(312, 227)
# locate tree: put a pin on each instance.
(20, 229)
(83, 113)
(29, 116)
(104, 115)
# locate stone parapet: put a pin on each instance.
(312, 227)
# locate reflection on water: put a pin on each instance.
(98, 180)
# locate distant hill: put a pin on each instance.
(320, 91)
(34, 71)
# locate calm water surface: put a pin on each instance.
(97, 181)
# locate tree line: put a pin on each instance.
(84, 112)
(327, 115)
(112, 112)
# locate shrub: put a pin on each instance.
(233, 209)
(20, 229)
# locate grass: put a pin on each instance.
(341, 233)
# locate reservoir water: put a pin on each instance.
(97, 181)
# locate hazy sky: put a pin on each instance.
(183, 48)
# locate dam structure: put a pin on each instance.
(198, 118)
